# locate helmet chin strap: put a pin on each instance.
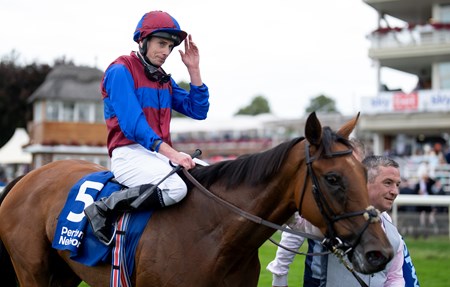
(143, 52)
(152, 72)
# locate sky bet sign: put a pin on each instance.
(397, 102)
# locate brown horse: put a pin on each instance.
(199, 242)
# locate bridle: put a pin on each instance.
(332, 241)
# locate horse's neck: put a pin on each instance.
(266, 202)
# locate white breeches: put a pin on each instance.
(133, 165)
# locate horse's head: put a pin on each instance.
(336, 187)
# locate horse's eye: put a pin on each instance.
(332, 179)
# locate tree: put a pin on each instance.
(323, 104)
(17, 83)
(259, 105)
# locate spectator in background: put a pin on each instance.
(409, 223)
(433, 156)
(405, 188)
(424, 188)
(447, 155)
(3, 179)
(438, 189)
(437, 150)
(423, 81)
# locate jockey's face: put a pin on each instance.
(158, 49)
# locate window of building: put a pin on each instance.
(52, 111)
(37, 112)
(98, 113)
(68, 112)
(83, 112)
(444, 75)
(444, 13)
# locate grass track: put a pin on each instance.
(431, 258)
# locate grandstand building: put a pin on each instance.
(411, 124)
(402, 122)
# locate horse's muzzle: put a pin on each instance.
(371, 261)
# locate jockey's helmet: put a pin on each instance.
(159, 24)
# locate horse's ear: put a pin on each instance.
(348, 127)
(313, 130)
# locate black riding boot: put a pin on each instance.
(102, 213)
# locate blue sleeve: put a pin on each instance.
(119, 86)
(409, 272)
(194, 104)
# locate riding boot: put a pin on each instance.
(102, 213)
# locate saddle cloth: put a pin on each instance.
(73, 232)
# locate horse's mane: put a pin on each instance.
(259, 168)
(254, 169)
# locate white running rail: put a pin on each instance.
(417, 200)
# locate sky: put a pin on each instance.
(288, 51)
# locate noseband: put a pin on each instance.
(332, 241)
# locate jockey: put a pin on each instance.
(138, 98)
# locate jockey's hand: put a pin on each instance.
(184, 160)
(176, 157)
(190, 56)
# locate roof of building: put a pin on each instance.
(69, 82)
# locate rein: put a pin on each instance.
(298, 252)
(251, 217)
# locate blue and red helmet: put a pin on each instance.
(159, 24)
